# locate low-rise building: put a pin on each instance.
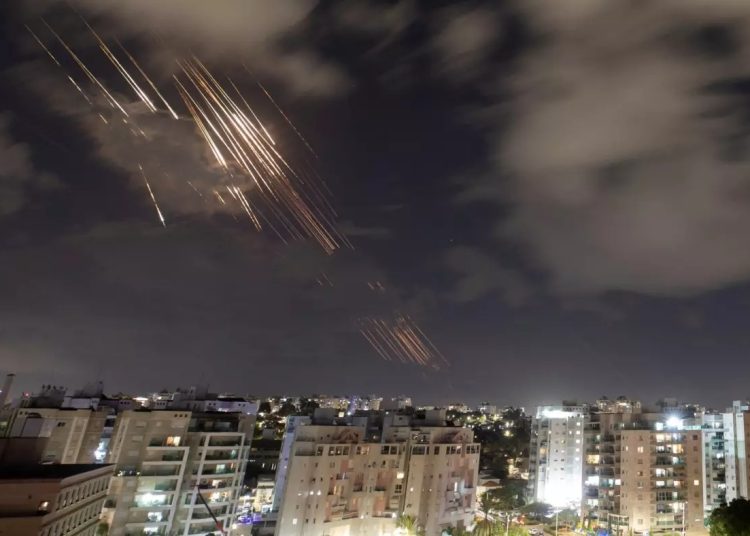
(52, 500)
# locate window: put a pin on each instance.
(173, 441)
(696, 483)
(43, 506)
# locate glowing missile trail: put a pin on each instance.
(44, 47)
(125, 74)
(148, 79)
(153, 197)
(241, 144)
(288, 121)
(294, 204)
(401, 340)
(113, 102)
(55, 60)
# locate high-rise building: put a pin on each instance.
(168, 462)
(737, 430)
(714, 462)
(52, 500)
(556, 455)
(645, 472)
(334, 478)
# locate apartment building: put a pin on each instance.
(714, 462)
(167, 463)
(68, 435)
(556, 455)
(336, 479)
(649, 472)
(52, 500)
(737, 436)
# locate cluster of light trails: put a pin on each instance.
(256, 178)
(400, 340)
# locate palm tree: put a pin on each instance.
(487, 504)
(408, 526)
(487, 527)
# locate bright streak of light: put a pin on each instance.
(288, 121)
(148, 79)
(241, 145)
(55, 60)
(112, 101)
(400, 340)
(121, 69)
(44, 47)
(153, 197)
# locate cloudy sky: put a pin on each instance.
(559, 197)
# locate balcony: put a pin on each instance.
(160, 471)
(224, 442)
(217, 472)
(222, 456)
(169, 457)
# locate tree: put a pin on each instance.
(509, 496)
(537, 510)
(307, 406)
(102, 529)
(731, 520)
(457, 531)
(515, 530)
(487, 504)
(409, 526)
(568, 517)
(487, 527)
(287, 409)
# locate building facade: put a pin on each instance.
(167, 463)
(335, 479)
(52, 500)
(69, 435)
(556, 455)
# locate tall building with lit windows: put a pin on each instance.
(353, 476)
(164, 460)
(737, 436)
(556, 455)
(645, 472)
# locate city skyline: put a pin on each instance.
(548, 215)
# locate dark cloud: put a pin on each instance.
(612, 154)
(18, 175)
(464, 38)
(232, 33)
(352, 230)
(478, 275)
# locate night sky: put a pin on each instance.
(559, 197)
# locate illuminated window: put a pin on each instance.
(43, 506)
(696, 483)
(173, 441)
